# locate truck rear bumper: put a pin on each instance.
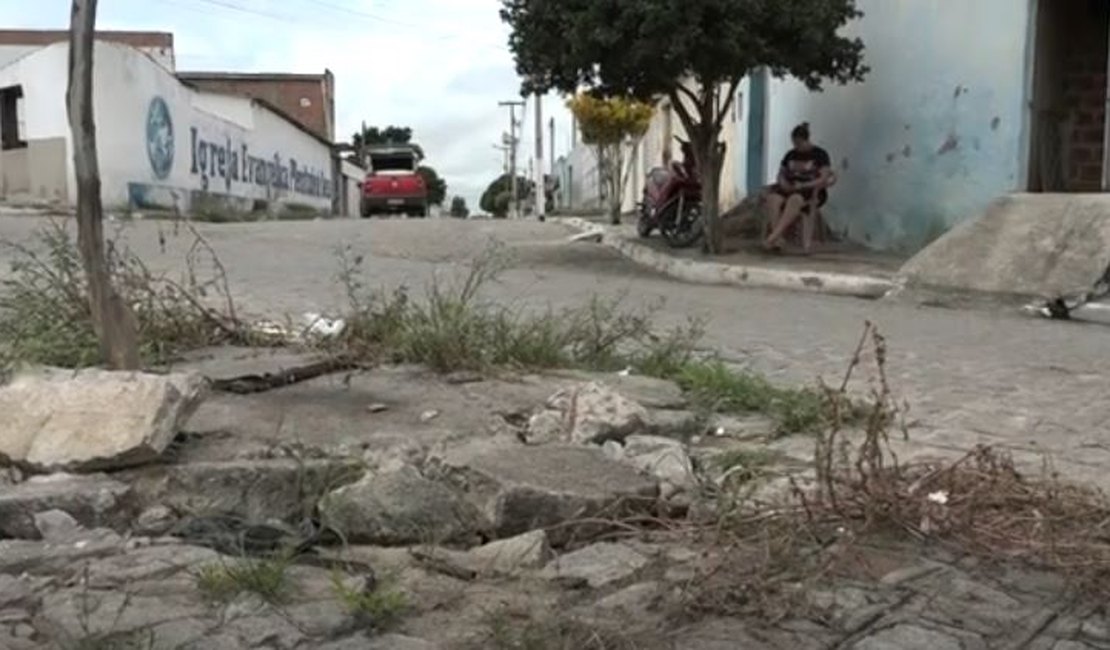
(394, 203)
(410, 205)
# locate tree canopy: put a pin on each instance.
(694, 52)
(437, 187)
(610, 120)
(388, 135)
(644, 49)
(609, 123)
(497, 198)
(458, 208)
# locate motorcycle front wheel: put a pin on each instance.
(644, 224)
(687, 228)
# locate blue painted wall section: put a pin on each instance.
(936, 131)
(757, 116)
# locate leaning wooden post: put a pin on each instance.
(113, 321)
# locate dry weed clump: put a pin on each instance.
(45, 315)
(980, 502)
(977, 504)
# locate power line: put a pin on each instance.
(358, 12)
(248, 10)
(394, 21)
(340, 9)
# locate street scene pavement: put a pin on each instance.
(975, 376)
(535, 325)
(971, 377)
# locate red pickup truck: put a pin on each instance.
(393, 186)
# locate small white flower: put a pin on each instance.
(939, 497)
(720, 431)
(626, 372)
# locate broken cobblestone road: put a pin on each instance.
(971, 377)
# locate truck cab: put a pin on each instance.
(393, 186)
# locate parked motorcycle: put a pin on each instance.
(672, 204)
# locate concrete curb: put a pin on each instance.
(759, 277)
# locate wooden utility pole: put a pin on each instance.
(513, 142)
(540, 180)
(113, 321)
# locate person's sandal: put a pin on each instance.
(772, 249)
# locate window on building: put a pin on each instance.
(12, 124)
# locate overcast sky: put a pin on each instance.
(439, 66)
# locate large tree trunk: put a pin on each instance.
(709, 154)
(702, 120)
(112, 318)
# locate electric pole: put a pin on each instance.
(504, 149)
(551, 141)
(554, 172)
(541, 182)
(512, 144)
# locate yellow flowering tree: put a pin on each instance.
(609, 124)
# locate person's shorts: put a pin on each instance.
(822, 195)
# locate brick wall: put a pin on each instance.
(1085, 94)
(306, 99)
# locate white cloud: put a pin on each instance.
(439, 66)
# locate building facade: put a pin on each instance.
(938, 129)
(962, 105)
(17, 43)
(307, 98)
(162, 143)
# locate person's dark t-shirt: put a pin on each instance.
(805, 166)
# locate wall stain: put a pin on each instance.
(890, 157)
(844, 164)
(951, 144)
(960, 90)
(813, 282)
(907, 151)
(995, 123)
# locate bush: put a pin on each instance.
(453, 328)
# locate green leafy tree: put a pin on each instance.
(458, 208)
(608, 124)
(388, 135)
(693, 52)
(437, 187)
(497, 199)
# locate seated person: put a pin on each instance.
(802, 187)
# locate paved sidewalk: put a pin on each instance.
(835, 269)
